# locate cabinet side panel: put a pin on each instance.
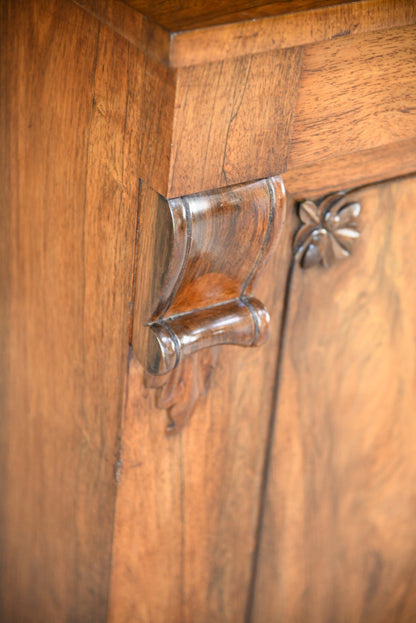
(339, 532)
(68, 215)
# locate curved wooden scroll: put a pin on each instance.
(198, 259)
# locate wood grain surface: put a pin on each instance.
(305, 518)
(338, 537)
(182, 34)
(69, 187)
(197, 261)
(195, 255)
(265, 110)
(187, 506)
(217, 139)
(325, 101)
(355, 93)
(352, 170)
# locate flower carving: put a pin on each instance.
(328, 231)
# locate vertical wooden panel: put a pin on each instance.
(187, 505)
(69, 195)
(339, 536)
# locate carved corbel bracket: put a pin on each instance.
(198, 258)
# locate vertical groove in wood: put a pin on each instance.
(134, 271)
(269, 440)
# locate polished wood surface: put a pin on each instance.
(197, 262)
(210, 137)
(379, 108)
(351, 171)
(313, 121)
(179, 392)
(217, 140)
(328, 232)
(338, 538)
(182, 34)
(176, 15)
(239, 322)
(198, 257)
(290, 495)
(68, 215)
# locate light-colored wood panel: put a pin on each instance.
(355, 93)
(187, 505)
(338, 537)
(151, 100)
(68, 217)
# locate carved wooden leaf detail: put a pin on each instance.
(179, 391)
(328, 232)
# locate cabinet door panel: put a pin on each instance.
(338, 541)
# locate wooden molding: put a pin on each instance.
(328, 231)
(180, 35)
(198, 259)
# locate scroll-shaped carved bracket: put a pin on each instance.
(198, 260)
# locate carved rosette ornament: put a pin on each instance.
(198, 260)
(328, 232)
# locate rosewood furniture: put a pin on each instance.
(207, 312)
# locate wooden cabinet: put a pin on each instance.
(178, 181)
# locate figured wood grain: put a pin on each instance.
(325, 101)
(178, 15)
(264, 110)
(187, 506)
(217, 140)
(86, 111)
(151, 102)
(69, 195)
(197, 262)
(180, 391)
(239, 322)
(338, 536)
(190, 33)
(198, 258)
